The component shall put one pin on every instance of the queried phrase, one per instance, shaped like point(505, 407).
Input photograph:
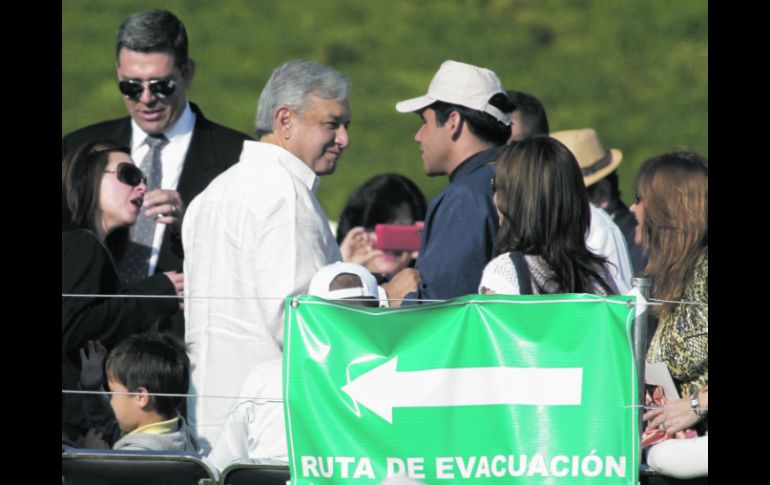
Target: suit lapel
point(122, 133)
point(201, 157)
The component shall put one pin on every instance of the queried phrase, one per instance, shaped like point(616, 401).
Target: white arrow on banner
point(383, 388)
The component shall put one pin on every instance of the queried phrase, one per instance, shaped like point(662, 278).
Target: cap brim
point(414, 104)
point(617, 156)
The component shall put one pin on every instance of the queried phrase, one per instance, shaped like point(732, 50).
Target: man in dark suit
point(154, 72)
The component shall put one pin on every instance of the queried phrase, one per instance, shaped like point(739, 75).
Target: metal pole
point(640, 340)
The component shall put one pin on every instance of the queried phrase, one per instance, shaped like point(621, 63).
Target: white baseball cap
point(462, 84)
point(319, 285)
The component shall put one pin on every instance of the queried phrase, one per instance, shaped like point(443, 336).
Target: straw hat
point(595, 162)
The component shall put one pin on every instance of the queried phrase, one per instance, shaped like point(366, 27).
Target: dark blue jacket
point(460, 231)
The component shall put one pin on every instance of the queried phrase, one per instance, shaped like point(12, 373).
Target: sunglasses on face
point(129, 174)
point(637, 198)
point(161, 88)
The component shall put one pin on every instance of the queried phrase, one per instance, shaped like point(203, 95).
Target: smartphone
point(397, 237)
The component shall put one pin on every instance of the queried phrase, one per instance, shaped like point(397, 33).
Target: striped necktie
point(135, 263)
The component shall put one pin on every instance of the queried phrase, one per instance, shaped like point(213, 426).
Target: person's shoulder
point(702, 265)
point(599, 213)
point(500, 260)
point(139, 442)
point(602, 221)
point(82, 245)
point(79, 237)
point(225, 132)
point(471, 192)
point(96, 131)
point(277, 166)
point(220, 131)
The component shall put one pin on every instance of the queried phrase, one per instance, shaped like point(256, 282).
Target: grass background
point(637, 72)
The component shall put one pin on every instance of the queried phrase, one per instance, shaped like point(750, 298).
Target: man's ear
point(454, 124)
point(188, 72)
point(282, 122)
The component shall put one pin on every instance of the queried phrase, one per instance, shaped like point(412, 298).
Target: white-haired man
point(257, 234)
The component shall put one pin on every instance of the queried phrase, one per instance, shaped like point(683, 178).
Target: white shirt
point(605, 239)
point(255, 429)
point(257, 231)
point(172, 160)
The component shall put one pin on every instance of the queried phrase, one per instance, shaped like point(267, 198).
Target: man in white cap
point(466, 117)
point(255, 427)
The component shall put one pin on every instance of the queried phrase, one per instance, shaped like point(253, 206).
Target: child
point(144, 364)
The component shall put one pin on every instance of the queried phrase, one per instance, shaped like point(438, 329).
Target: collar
point(474, 162)
point(283, 157)
point(183, 126)
point(161, 427)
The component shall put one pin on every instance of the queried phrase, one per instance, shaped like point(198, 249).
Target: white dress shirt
point(255, 429)
point(605, 239)
point(254, 236)
point(172, 160)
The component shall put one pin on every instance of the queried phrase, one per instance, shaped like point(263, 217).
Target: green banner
point(479, 389)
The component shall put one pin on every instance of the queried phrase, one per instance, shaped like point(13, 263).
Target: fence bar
point(640, 340)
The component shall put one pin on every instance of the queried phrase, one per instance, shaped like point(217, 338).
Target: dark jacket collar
point(474, 162)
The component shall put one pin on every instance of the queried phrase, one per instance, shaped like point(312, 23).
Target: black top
point(87, 268)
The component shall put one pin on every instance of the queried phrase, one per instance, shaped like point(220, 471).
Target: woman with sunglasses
point(102, 190)
point(671, 206)
point(544, 214)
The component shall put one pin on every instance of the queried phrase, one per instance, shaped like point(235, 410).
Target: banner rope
point(651, 301)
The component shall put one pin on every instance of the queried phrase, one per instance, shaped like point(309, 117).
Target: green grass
point(637, 72)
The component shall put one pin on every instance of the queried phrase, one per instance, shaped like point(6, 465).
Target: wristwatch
point(695, 404)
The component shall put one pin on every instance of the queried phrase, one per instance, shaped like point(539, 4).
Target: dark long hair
point(377, 202)
point(81, 174)
point(544, 205)
point(673, 189)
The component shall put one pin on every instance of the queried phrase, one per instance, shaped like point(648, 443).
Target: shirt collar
point(474, 162)
point(286, 159)
point(161, 427)
point(183, 126)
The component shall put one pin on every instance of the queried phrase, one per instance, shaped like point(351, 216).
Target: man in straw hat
point(466, 117)
point(597, 164)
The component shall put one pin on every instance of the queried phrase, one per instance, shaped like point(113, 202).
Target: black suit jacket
point(213, 149)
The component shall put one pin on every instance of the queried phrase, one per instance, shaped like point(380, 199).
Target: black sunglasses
point(129, 174)
point(637, 198)
point(492, 185)
point(159, 87)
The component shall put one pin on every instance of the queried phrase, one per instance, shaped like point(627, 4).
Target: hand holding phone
point(397, 237)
